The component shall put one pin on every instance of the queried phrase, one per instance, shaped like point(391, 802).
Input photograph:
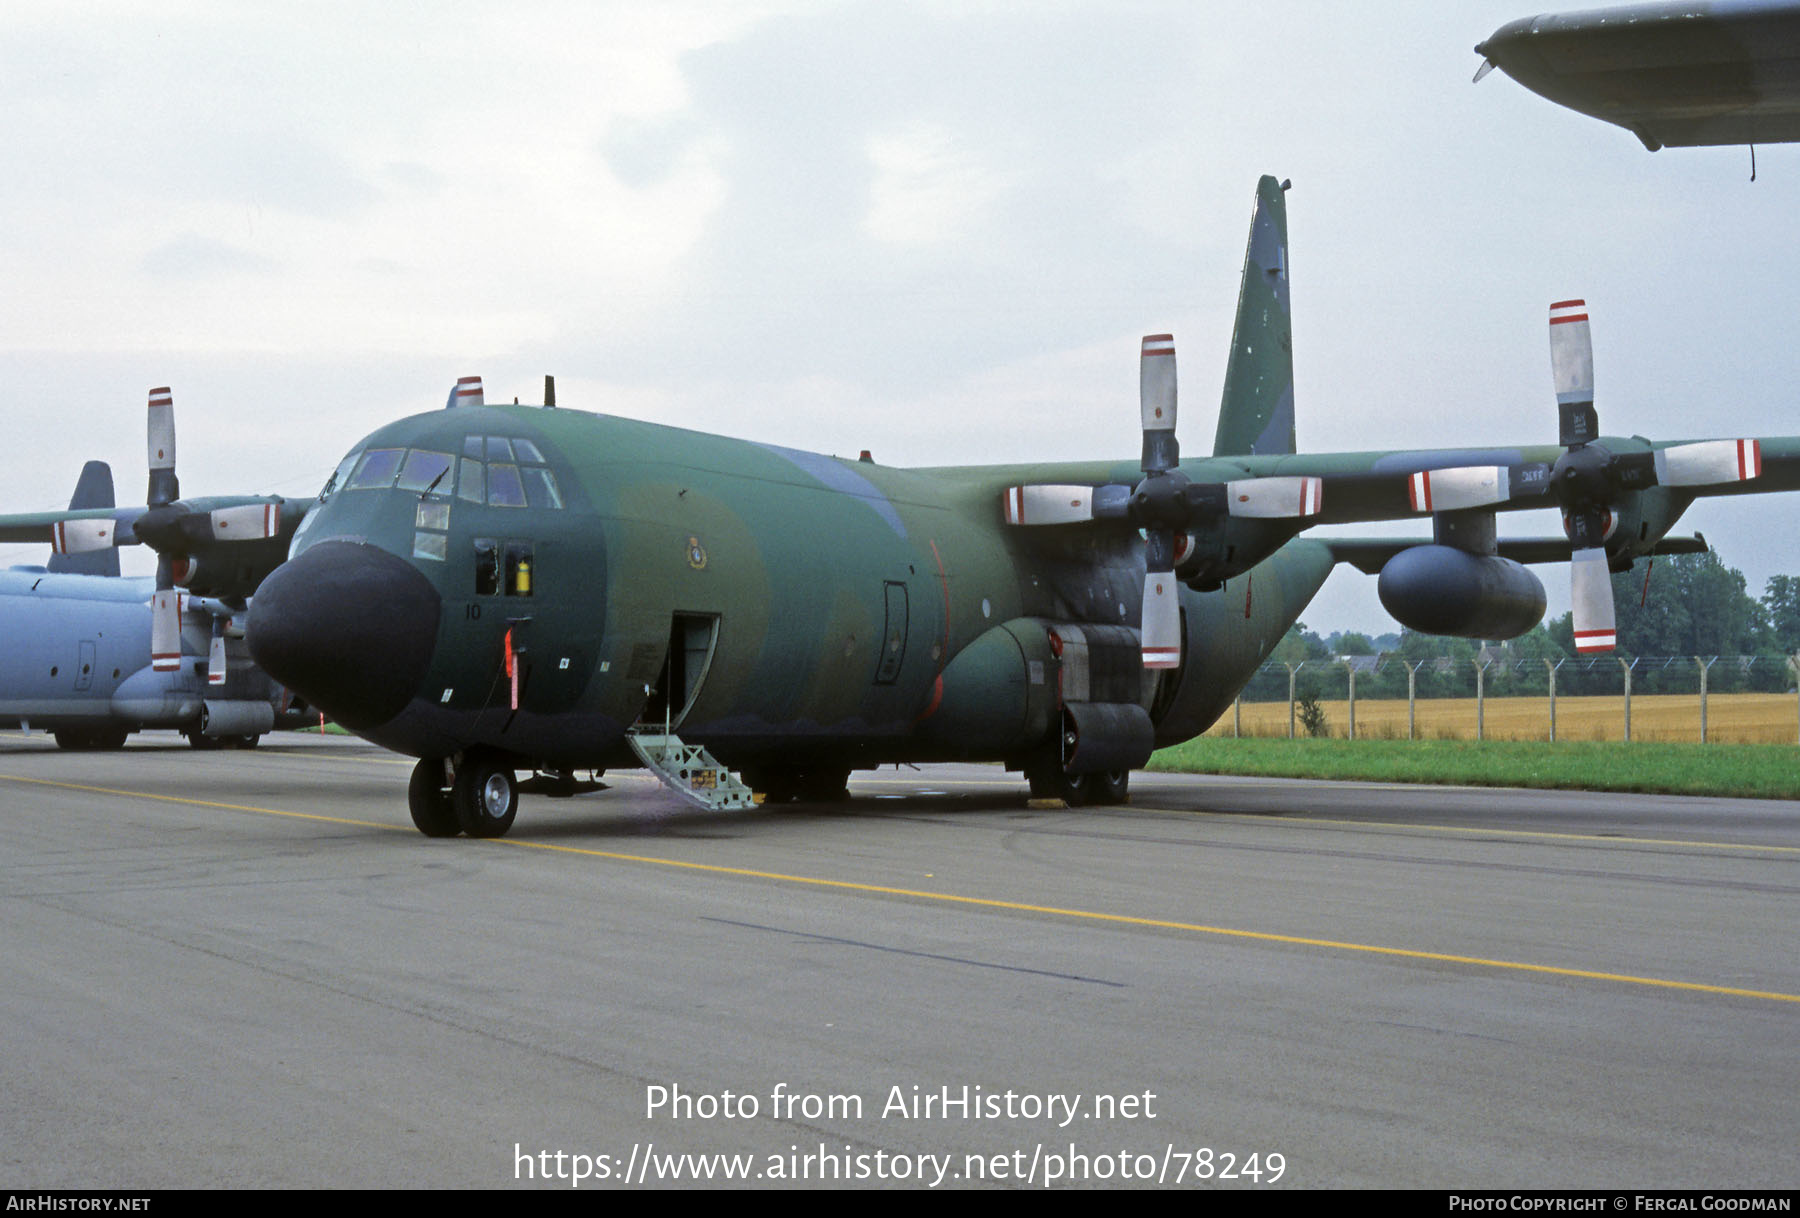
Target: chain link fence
point(1707, 698)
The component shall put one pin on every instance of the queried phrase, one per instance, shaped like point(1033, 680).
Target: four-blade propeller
point(1165, 503)
point(177, 531)
point(1589, 481)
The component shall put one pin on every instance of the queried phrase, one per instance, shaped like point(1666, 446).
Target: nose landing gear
point(478, 797)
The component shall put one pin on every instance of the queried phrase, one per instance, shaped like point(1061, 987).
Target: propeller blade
point(1450, 490)
point(1590, 588)
point(1709, 462)
point(165, 630)
point(1162, 621)
point(215, 656)
point(1049, 504)
point(252, 521)
point(160, 431)
point(1156, 403)
point(1572, 365)
point(82, 536)
point(1274, 498)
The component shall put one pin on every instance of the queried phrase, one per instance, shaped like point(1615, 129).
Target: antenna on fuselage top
point(549, 390)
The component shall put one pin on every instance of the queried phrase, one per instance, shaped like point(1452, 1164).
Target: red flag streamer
point(512, 668)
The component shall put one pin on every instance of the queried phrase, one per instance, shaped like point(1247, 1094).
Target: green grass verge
point(1757, 771)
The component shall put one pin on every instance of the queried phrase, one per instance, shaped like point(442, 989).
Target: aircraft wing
point(92, 528)
point(1672, 74)
point(1370, 554)
point(1371, 486)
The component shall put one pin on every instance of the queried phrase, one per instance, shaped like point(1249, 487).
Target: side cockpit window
point(487, 567)
point(337, 476)
point(503, 567)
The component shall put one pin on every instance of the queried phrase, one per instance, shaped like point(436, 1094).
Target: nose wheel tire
point(485, 796)
point(428, 798)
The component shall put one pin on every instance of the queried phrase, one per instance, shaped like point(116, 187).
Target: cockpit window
point(470, 484)
point(504, 487)
point(377, 469)
point(472, 447)
point(498, 449)
point(424, 469)
point(337, 477)
point(540, 487)
point(528, 451)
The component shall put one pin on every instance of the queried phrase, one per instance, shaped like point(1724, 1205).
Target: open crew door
point(692, 637)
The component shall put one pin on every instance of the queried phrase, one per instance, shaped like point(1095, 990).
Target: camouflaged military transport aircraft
point(496, 589)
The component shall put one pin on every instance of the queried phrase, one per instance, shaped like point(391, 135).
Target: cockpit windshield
point(499, 471)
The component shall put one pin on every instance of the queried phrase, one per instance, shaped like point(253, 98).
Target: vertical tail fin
point(1256, 415)
point(94, 489)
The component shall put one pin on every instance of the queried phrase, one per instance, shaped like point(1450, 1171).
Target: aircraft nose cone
point(347, 626)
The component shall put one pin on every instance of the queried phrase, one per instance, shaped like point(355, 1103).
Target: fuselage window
point(540, 486)
point(504, 487)
point(432, 514)
point(470, 484)
point(377, 469)
point(518, 568)
point(487, 567)
point(424, 469)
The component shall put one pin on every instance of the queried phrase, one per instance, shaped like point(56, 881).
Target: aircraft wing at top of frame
point(1673, 74)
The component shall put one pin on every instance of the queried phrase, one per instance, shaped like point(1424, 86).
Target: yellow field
point(1730, 718)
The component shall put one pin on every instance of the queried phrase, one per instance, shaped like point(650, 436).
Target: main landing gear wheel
point(1050, 781)
point(485, 796)
point(428, 798)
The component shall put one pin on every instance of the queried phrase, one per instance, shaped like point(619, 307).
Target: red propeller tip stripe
point(1418, 491)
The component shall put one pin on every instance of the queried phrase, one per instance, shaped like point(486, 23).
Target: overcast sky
point(935, 231)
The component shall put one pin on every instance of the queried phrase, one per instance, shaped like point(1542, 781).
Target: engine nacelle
point(1443, 590)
